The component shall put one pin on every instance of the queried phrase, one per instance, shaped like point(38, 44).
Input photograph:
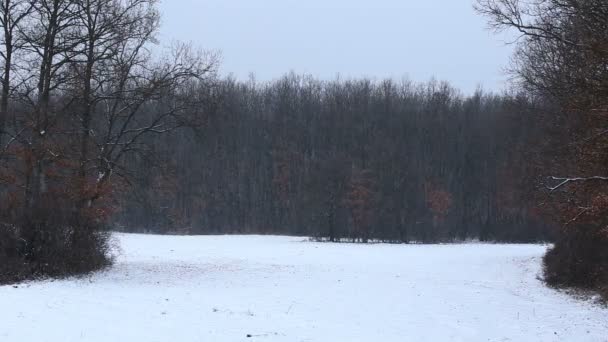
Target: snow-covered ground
point(224, 288)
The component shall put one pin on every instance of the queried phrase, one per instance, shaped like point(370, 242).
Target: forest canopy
point(354, 159)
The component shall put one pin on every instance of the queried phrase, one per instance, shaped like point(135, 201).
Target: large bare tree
point(562, 58)
point(12, 13)
point(92, 83)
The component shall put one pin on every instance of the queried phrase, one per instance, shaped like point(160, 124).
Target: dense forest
point(345, 159)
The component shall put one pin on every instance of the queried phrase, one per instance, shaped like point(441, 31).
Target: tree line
point(354, 160)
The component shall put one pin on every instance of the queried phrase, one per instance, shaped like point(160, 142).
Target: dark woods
point(352, 160)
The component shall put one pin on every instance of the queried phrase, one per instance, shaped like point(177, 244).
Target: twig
point(566, 180)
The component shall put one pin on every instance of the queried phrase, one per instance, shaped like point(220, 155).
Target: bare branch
point(566, 180)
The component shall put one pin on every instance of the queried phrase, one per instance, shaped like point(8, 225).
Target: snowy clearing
point(224, 288)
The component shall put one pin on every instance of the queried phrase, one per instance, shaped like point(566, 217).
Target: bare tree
point(12, 13)
point(51, 38)
point(93, 86)
point(562, 57)
point(147, 100)
point(563, 47)
point(107, 26)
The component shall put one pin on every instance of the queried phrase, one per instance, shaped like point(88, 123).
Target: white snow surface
point(223, 288)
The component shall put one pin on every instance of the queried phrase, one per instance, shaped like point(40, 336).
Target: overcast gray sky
point(418, 39)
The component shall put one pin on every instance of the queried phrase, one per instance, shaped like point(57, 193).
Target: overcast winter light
point(379, 38)
point(303, 170)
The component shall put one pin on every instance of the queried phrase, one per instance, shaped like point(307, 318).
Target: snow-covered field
point(224, 288)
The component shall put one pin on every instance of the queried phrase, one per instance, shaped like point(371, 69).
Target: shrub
point(579, 259)
point(51, 247)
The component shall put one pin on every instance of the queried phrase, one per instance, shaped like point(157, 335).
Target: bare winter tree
point(12, 13)
point(51, 38)
point(563, 47)
point(106, 26)
point(124, 89)
point(562, 57)
point(92, 87)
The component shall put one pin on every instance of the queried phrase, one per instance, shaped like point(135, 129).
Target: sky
point(414, 39)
